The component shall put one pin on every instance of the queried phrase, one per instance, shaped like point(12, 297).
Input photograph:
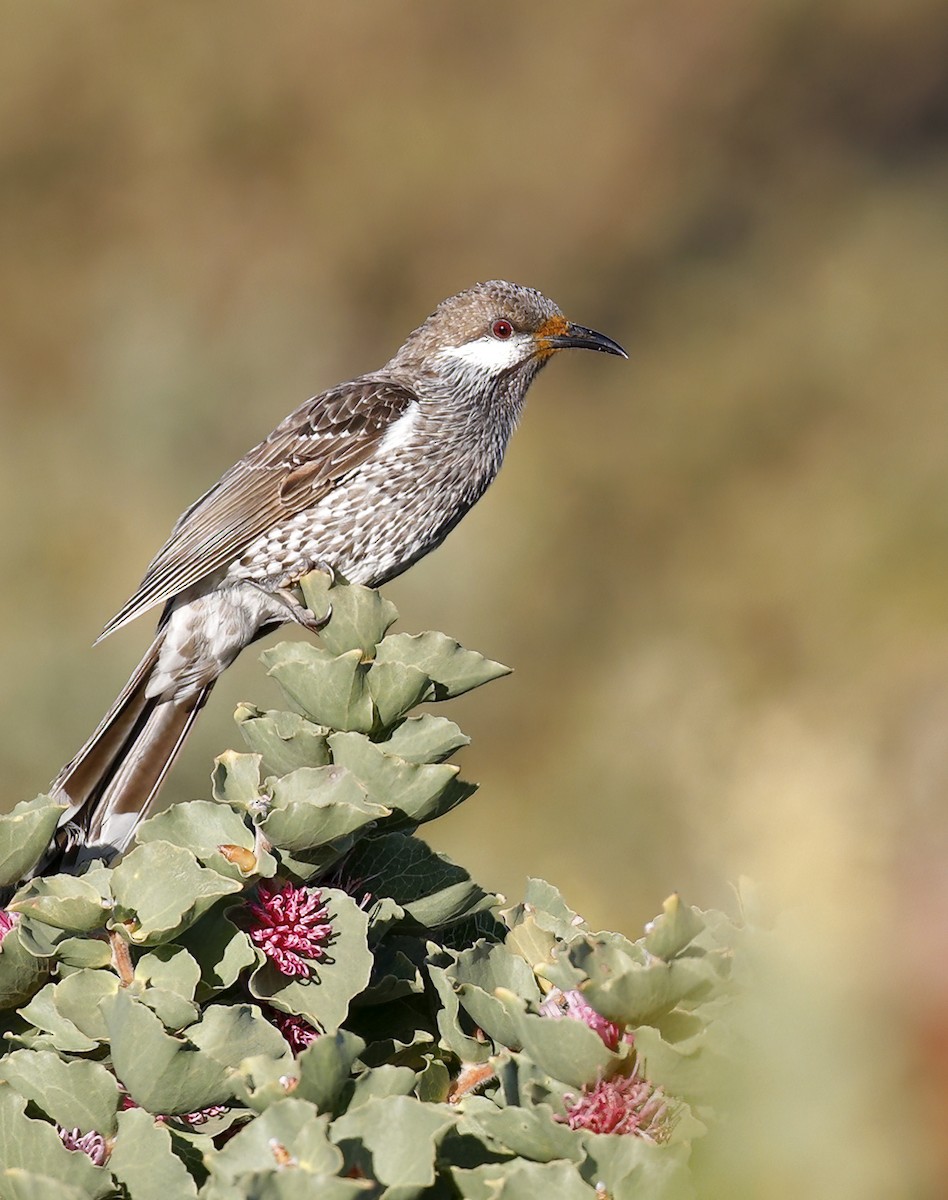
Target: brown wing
point(302, 460)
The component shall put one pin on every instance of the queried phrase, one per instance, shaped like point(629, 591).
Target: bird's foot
point(300, 613)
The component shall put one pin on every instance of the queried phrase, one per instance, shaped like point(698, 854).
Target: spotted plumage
point(365, 478)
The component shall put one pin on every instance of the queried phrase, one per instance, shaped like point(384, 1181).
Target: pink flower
point(298, 1033)
point(571, 1004)
point(92, 1143)
point(7, 921)
point(192, 1118)
point(623, 1104)
point(201, 1115)
point(290, 925)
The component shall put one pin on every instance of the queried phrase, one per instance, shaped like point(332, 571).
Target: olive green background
point(720, 570)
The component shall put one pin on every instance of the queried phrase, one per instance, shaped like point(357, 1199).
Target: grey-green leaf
point(292, 1125)
point(159, 889)
point(396, 1137)
point(64, 902)
point(519, 1180)
point(396, 689)
point(316, 805)
point(203, 827)
point(21, 973)
point(432, 890)
point(419, 791)
point(143, 1160)
point(452, 669)
point(359, 618)
point(25, 832)
point(79, 1095)
point(284, 739)
point(35, 1147)
point(163, 1074)
point(325, 1066)
point(236, 779)
point(329, 690)
point(425, 739)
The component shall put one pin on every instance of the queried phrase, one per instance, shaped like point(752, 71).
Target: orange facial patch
point(553, 327)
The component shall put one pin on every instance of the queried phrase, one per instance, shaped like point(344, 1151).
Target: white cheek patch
point(490, 354)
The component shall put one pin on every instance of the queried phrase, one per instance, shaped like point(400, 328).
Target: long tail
point(111, 784)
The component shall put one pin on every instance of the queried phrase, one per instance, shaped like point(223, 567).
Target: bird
point(363, 479)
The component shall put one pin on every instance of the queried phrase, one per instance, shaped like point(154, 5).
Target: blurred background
point(720, 570)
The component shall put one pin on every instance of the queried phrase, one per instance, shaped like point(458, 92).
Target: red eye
point(502, 329)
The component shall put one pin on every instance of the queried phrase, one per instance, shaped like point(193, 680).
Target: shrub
point(282, 991)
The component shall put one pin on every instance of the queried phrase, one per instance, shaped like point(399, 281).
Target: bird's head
point(493, 333)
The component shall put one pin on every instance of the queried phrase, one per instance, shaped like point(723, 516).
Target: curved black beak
point(581, 338)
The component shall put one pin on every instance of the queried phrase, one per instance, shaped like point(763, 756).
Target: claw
point(300, 613)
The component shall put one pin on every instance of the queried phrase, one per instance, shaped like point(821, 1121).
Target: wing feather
point(302, 460)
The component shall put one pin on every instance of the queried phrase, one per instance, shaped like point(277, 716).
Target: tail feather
point(112, 782)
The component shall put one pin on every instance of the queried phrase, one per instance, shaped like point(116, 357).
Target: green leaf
point(261, 1081)
point(564, 1048)
point(467, 1048)
point(530, 1133)
point(65, 902)
point(433, 1084)
point(425, 739)
point(232, 1033)
point(394, 1139)
point(325, 1067)
point(486, 977)
point(236, 780)
point(21, 973)
point(18, 1184)
point(677, 927)
point(396, 972)
point(84, 952)
point(159, 889)
point(420, 791)
point(77, 998)
point(34, 1146)
point(330, 690)
point(537, 946)
point(285, 740)
point(163, 1074)
point(171, 968)
point(543, 905)
point(324, 998)
point(220, 949)
point(386, 1080)
point(64, 1034)
point(431, 890)
point(203, 827)
point(40, 939)
point(621, 986)
point(168, 977)
point(79, 1095)
point(396, 689)
point(281, 1183)
point(25, 833)
point(692, 1070)
point(290, 1128)
point(451, 669)
point(316, 805)
point(360, 616)
point(519, 1180)
point(632, 1167)
point(143, 1160)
